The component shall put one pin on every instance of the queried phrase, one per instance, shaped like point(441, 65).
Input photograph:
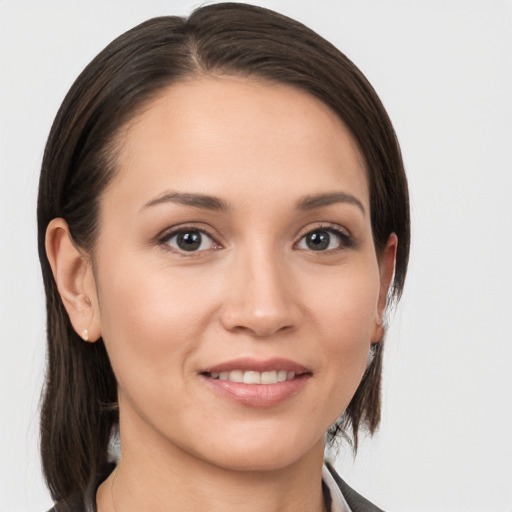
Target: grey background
point(444, 71)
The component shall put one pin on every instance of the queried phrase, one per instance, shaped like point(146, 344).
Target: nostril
point(262, 329)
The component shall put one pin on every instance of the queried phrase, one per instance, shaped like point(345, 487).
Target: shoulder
point(355, 501)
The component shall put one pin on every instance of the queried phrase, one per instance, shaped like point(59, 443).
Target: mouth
point(257, 383)
point(253, 376)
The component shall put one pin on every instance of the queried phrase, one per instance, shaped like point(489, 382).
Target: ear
point(74, 277)
point(386, 269)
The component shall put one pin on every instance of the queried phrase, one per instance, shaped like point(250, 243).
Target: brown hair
point(77, 416)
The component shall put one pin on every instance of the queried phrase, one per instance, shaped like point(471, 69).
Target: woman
point(223, 215)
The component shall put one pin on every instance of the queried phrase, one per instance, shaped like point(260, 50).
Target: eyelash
point(346, 240)
point(164, 240)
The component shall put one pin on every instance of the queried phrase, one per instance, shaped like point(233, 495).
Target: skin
point(254, 289)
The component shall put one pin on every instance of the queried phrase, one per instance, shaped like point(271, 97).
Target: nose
point(262, 301)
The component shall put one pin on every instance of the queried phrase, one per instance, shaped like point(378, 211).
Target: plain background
point(443, 69)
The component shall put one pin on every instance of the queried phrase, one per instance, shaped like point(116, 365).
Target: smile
point(257, 383)
point(253, 377)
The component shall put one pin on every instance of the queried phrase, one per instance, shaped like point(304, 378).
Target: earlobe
point(73, 276)
point(386, 270)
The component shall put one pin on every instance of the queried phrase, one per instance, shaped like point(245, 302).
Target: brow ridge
point(312, 201)
point(189, 199)
point(308, 202)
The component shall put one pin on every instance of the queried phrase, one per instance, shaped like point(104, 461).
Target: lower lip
point(258, 395)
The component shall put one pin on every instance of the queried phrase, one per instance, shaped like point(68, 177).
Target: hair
point(78, 416)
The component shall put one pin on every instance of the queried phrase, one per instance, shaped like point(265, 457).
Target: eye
point(324, 239)
point(189, 240)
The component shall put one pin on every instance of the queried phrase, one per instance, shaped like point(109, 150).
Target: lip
point(258, 365)
point(257, 395)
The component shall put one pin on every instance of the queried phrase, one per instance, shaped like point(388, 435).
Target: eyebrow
point(313, 201)
point(197, 200)
point(309, 202)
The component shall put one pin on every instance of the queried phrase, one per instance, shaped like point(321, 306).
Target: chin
point(263, 453)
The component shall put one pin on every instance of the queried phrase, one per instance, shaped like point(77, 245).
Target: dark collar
point(355, 501)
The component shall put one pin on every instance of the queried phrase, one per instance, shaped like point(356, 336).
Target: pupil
point(318, 241)
point(189, 241)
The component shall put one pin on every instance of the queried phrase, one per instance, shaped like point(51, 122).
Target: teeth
point(281, 375)
point(252, 377)
point(269, 377)
point(236, 376)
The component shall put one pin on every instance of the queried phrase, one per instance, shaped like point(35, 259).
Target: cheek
point(345, 322)
point(148, 322)
point(345, 303)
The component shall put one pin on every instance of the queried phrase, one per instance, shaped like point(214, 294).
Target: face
point(237, 285)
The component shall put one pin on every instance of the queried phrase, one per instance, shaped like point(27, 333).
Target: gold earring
point(85, 335)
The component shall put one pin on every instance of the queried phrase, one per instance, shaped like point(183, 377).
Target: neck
point(160, 479)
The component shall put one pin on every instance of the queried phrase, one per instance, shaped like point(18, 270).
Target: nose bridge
point(261, 300)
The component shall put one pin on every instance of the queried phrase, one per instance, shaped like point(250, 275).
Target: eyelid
point(340, 231)
point(164, 237)
point(324, 225)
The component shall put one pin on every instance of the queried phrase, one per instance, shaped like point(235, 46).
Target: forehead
point(229, 135)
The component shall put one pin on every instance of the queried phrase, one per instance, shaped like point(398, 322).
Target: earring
point(85, 335)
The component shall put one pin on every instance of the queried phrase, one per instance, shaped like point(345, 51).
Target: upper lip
point(258, 365)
